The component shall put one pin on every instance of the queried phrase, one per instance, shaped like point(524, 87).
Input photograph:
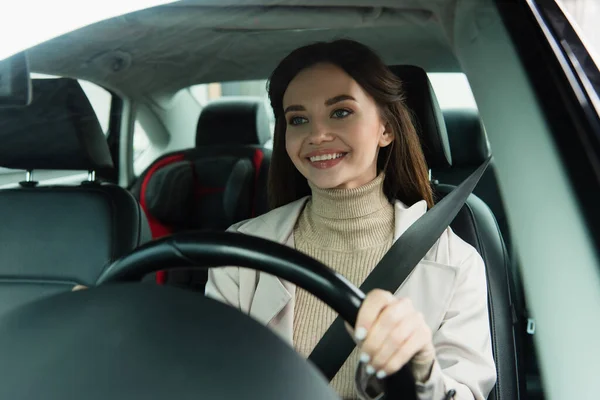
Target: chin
point(326, 182)
point(329, 182)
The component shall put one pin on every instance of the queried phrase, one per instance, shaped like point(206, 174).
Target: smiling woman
point(313, 118)
point(318, 93)
point(347, 177)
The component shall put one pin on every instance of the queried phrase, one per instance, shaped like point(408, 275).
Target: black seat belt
point(336, 345)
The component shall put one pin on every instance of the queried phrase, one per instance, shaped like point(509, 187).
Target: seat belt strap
point(336, 345)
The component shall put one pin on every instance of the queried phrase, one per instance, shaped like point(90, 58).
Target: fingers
point(397, 338)
point(78, 287)
point(411, 346)
point(373, 304)
point(394, 332)
point(389, 322)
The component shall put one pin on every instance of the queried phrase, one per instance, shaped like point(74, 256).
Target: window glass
point(452, 90)
point(573, 25)
point(141, 143)
point(584, 16)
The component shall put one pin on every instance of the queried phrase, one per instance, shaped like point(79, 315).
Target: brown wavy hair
point(406, 173)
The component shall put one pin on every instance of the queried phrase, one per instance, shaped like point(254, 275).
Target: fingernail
point(360, 333)
point(381, 374)
point(365, 358)
point(370, 370)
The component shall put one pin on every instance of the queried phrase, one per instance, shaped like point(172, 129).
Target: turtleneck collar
point(347, 219)
point(349, 203)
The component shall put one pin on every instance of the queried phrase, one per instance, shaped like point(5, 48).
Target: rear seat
point(212, 186)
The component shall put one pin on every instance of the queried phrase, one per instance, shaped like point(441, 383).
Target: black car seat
point(469, 147)
point(219, 182)
point(54, 237)
point(475, 224)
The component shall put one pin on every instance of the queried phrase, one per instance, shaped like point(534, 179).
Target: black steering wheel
point(131, 340)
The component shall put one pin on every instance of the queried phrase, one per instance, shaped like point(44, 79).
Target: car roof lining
point(145, 51)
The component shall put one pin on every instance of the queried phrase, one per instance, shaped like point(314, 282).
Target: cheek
point(366, 136)
point(292, 146)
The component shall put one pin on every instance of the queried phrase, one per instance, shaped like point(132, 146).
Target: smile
point(326, 157)
point(325, 161)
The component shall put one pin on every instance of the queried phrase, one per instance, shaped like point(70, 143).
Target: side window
point(583, 16)
point(141, 143)
point(141, 149)
point(100, 100)
point(574, 27)
point(452, 90)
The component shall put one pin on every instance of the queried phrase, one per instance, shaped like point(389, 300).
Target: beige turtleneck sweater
point(349, 230)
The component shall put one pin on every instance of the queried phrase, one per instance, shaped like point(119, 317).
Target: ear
point(387, 136)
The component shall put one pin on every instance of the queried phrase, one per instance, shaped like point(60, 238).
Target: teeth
point(325, 157)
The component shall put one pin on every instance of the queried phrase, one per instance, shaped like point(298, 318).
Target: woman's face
point(334, 130)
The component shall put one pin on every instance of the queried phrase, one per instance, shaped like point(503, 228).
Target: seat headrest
point(58, 130)
point(468, 141)
point(421, 100)
point(209, 193)
point(234, 120)
point(169, 195)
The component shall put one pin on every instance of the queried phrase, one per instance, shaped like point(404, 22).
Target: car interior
point(89, 178)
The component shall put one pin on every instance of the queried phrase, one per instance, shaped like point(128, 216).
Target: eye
point(297, 121)
point(341, 113)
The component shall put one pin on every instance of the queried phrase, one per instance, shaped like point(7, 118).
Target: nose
point(319, 134)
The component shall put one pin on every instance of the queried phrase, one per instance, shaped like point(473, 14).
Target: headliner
point(170, 47)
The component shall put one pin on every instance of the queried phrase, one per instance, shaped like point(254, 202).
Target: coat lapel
point(404, 217)
point(430, 283)
point(272, 294)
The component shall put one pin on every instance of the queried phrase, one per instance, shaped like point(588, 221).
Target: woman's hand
point(391, 333)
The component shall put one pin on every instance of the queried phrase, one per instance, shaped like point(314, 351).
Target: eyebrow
point(329, 102)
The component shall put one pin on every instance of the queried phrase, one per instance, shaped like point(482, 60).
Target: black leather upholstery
point(475, 223)
point(235, 121)
point(59, 130)
point(421, 100)
point(470, 148)
point(468, 142)
point(53, 237)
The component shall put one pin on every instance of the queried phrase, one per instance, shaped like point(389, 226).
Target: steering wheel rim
point(215, 250)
